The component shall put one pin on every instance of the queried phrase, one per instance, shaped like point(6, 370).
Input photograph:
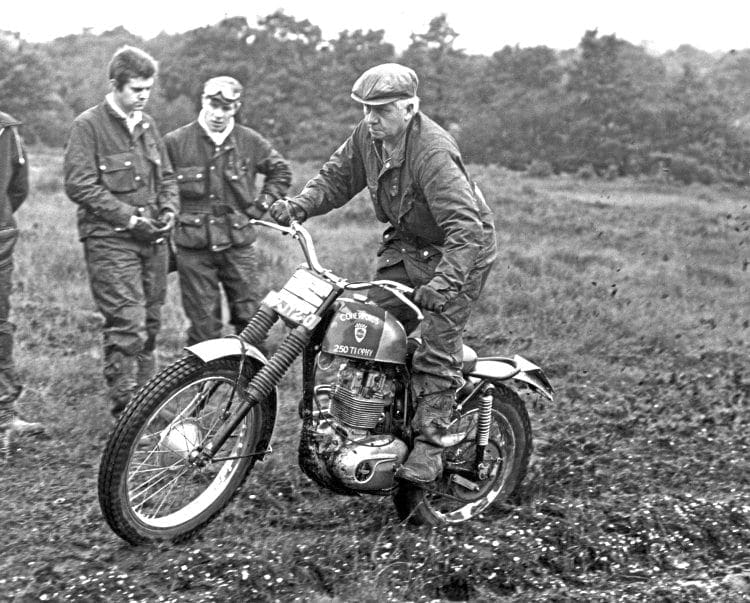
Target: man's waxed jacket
point(208, 176)
point(112, 174)
point(217, 185)
point(14, 174)
point(437, 215)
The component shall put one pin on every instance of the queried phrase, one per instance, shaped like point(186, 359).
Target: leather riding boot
point(425, 463)
point(431, 422)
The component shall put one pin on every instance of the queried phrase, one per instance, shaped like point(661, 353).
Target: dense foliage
point(606, 108)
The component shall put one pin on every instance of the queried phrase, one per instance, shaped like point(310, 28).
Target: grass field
point(633, 295)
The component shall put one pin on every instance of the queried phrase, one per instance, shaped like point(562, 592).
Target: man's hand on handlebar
point(284, 211)
point(428, 299)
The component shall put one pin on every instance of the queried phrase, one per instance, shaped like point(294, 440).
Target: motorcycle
point(188, 439)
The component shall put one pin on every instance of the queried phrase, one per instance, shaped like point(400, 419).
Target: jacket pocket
point(241, 231)
point(420, 263)
point(219, 238)
point(190, 231)
point(118, 172)
point(192, 182)
point(388, 256)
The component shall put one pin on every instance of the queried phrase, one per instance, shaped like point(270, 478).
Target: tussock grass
point(633, 295)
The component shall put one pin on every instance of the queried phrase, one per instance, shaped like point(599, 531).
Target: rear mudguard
point(224, 347)
point(498, 368)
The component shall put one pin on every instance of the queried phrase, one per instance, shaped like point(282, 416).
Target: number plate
point(300, 298)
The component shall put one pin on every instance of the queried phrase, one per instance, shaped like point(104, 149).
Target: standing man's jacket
point(440, 224)
point(112, 176)
point(13, 177)
point(217, 184)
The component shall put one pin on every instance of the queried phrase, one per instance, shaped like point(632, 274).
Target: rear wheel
point(454, 498)
point(148, 490)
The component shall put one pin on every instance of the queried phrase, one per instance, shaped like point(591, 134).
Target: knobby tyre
point(148, 491)
point(449, 501)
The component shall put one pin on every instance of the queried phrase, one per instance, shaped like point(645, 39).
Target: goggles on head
point(224, 89)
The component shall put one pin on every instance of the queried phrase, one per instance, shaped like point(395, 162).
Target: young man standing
point(14, 187)
point(118, 173)
point(216, 161)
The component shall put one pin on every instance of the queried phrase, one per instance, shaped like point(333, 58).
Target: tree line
point(606, 107)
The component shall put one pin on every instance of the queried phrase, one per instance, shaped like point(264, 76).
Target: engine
point(360, 396)
point(356, 401)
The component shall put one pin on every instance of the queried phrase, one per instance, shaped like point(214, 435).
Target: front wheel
point(455, 498)
point(148, 489)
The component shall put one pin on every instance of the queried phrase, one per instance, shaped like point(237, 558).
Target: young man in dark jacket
point(118, 173)
point(440, 238)
point(14, 187)
point(216, 160)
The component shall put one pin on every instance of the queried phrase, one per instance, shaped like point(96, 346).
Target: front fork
point(262, 383)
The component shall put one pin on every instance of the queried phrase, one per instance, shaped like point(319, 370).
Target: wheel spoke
point(149, 487)
point(143, 487)
point(164, 498)
point(163, 488)
point(156, 492)
point(455, 498)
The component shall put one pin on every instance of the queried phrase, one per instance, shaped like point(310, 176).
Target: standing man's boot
point(22, 427)
point(122, 378)
point(11, 425)
point(146, 367)
point(6, 419)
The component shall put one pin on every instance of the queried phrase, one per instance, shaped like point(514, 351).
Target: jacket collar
point(200, 132)
point(131, 121)
point(398, 155)
point(218, 138)
point(118, 116)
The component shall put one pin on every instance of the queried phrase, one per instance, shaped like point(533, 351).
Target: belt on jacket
point(201, 207)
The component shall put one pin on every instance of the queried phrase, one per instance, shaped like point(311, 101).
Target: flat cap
point(224, 88)
point(384, 84)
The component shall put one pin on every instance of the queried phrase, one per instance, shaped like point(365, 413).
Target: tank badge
point(360, 331)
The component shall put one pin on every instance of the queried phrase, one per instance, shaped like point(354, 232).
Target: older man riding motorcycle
point(440, 237)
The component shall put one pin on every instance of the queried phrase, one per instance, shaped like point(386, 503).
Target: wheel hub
point(178, 441)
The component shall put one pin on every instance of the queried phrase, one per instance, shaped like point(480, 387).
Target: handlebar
point(399, 290)
point(302, 236)
point(300, 233)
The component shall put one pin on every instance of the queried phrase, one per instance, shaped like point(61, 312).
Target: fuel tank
point(366, 332)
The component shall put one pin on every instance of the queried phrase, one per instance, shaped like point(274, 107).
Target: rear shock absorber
point(483, 432)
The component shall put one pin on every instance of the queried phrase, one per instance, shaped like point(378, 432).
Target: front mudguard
point(225, 347)
point(498, 368)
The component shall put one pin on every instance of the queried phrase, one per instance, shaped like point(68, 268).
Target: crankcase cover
point(369, 464)
point(366, 332)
